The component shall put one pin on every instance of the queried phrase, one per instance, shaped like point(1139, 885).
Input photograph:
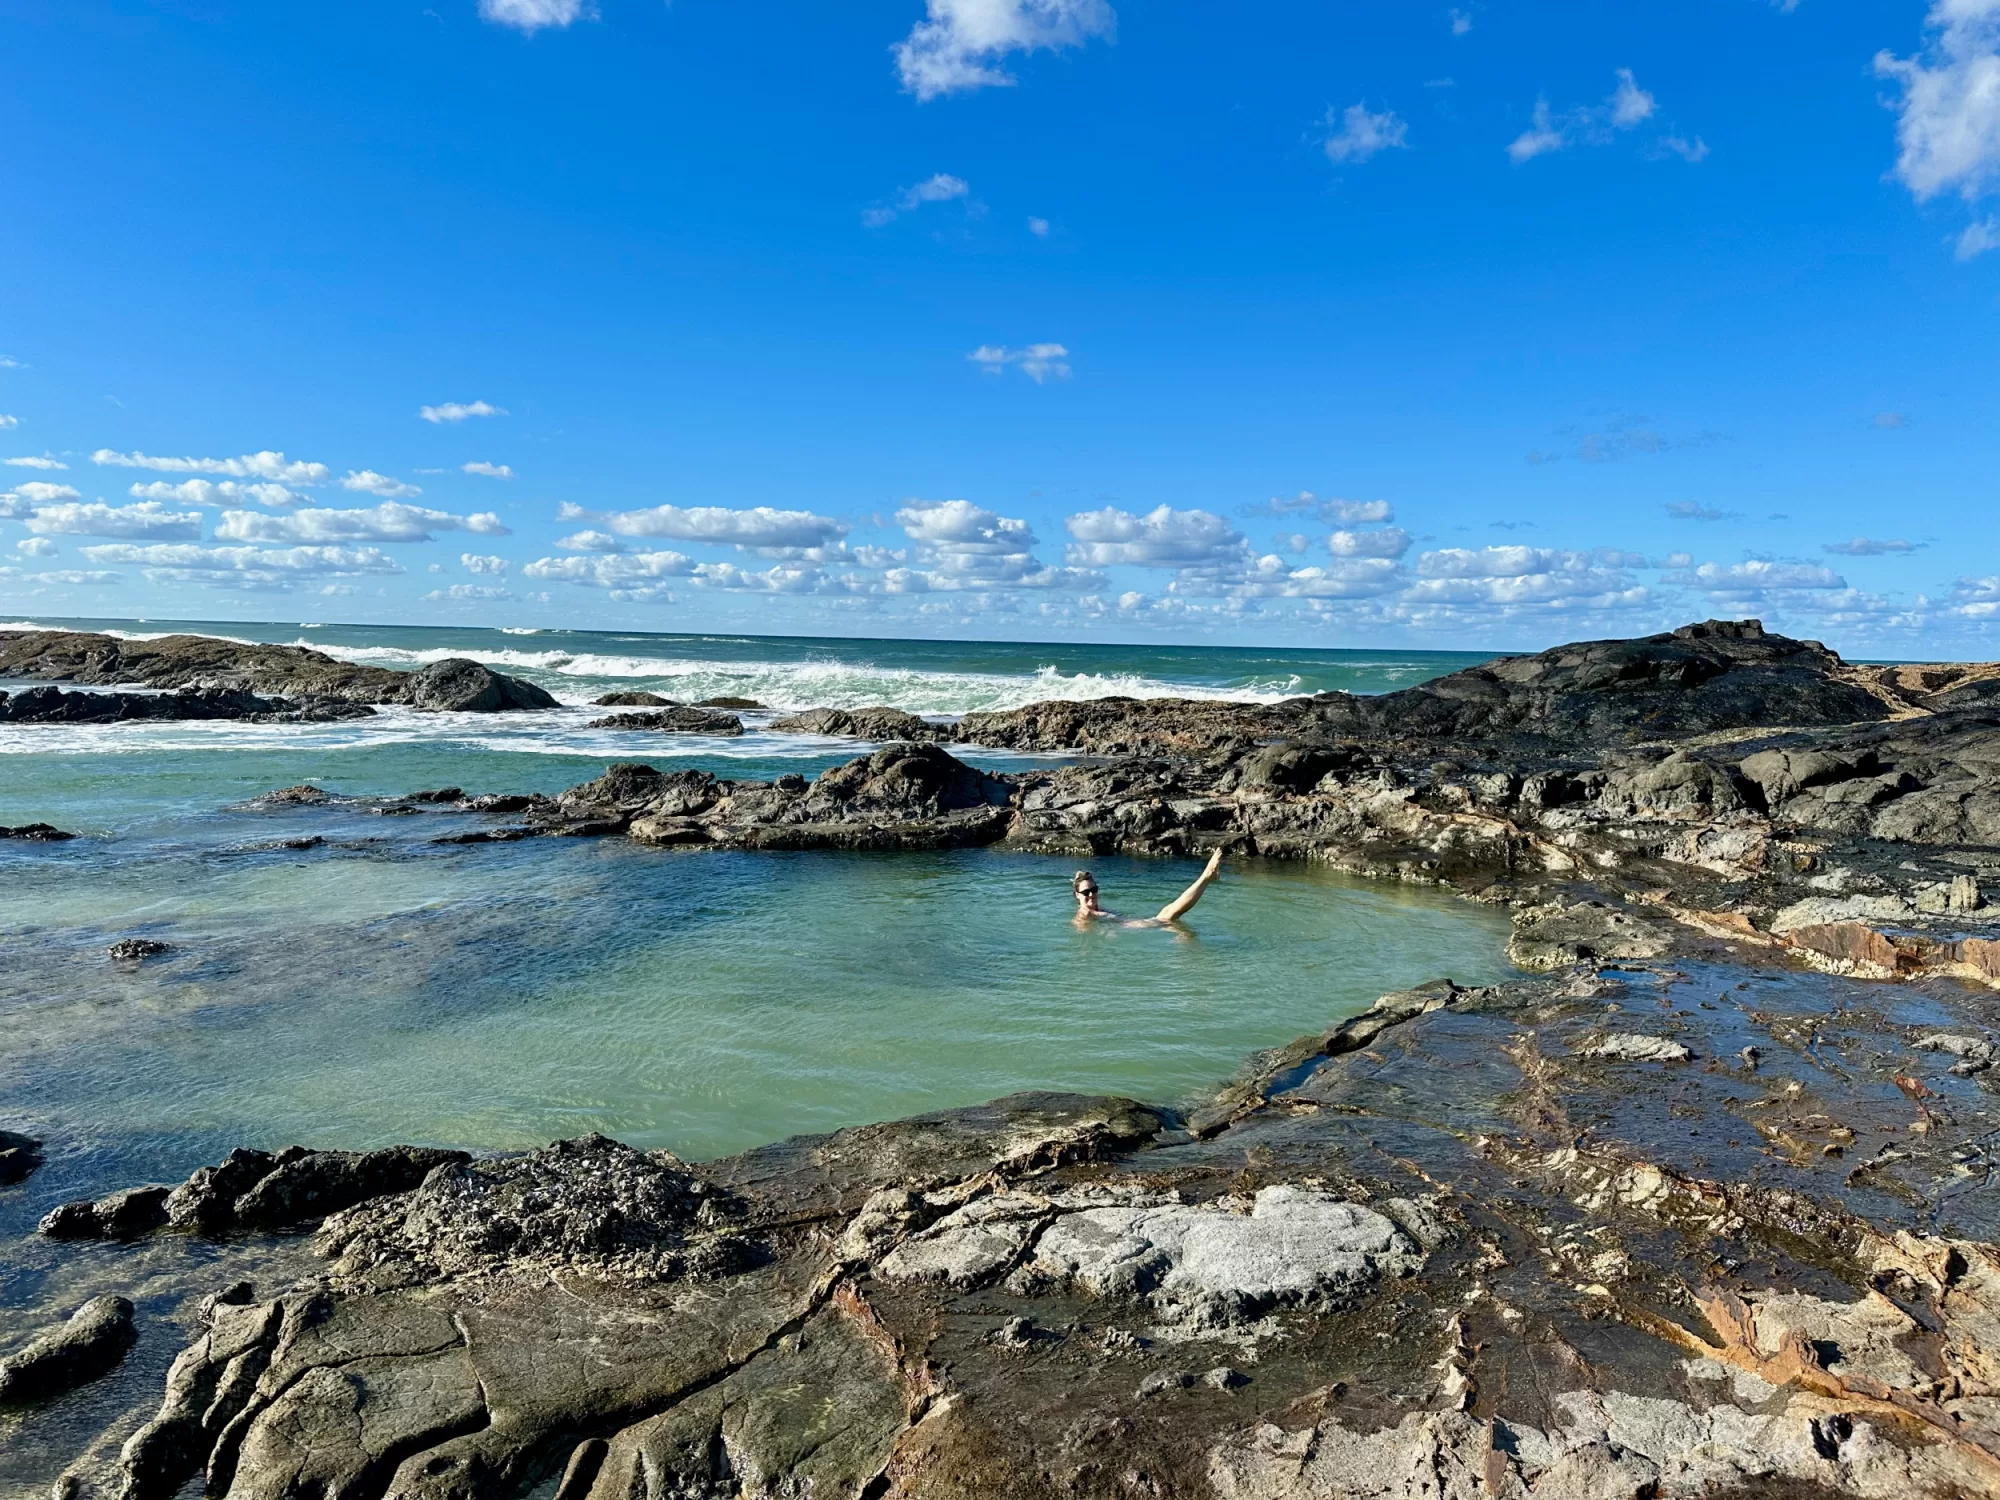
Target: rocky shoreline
point(1704, 1205)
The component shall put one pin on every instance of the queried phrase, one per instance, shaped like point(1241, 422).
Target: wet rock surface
point(204, 674)
point(94, 1339)
point(1703, 1205)
point(51, 705)
point(36, 833)
point(19, 1156)
point(884, 724)
point(675, 721)
point(458, 685)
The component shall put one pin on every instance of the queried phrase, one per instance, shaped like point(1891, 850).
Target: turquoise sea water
point(380, 987)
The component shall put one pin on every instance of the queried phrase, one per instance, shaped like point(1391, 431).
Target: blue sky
point(1336, 324)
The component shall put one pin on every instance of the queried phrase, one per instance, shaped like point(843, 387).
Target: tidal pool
point(381, 988)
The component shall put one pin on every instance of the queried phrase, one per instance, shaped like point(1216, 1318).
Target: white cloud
point(245, 567)
point(1162, 538)
point(759, 526)
point(146, 519)
point(1038, 227)
point(217, 495)
point(1863, 546)
point(468, 592)
point(8, 424)
point(8, 362)
point(1628, 107)
point(458, 411)
point(783, 578)
point(940, 188)
point(1461, 22)
point(368, 482)
point(1948, 133)
point(34, 463)
point(590, 541)
point(1391, 542)
point(1332, 511)
point(1687, 150)
point(41, 492)
point(960, 545)
point(1356, 134)
point(1037, 361)
point(265, 465)
point(390, 521)
point(630, 577)
point(492, 567)
point(36, 546)
point(1759, 574)
point(491, 471)
point(532, 15)
point(1977, 239)
point(960, 43)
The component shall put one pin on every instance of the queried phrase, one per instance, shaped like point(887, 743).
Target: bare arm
point(1174, 910)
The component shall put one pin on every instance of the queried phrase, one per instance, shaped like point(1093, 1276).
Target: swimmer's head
point(1083, 885)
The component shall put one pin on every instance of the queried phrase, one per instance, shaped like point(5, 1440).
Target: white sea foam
point(795, 685)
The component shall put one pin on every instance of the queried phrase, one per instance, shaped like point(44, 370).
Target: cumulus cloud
point(590, 541)
point(532, 15)
point(961, 545)
point(8, 423)
point(630, 577)
point(1162, 538)
point(391, 521)
point(250, 568)
point(458, 411)
point(939, 188)
point(36, 546)
point(462, 593)
point(145, 519)
point(1692, 510)
point(264, 465)
point(959, 44)
point(1038, 227)
point(492, 567)
point(34, 463)
point(1461, 22)
point(1863, 546)
point(1039, 362)
point(41, 492)
point(1757, 575)
point(759, 526)
point(368, 482)
point(1594, 125)
point(1948, 125)
point(1355, 134)
point(1391, 542)
point(490, 471)
point(215, 494)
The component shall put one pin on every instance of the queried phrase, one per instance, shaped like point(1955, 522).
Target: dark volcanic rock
point(193, 661)
point(1724, 674)
point(302, 795)
point(36, 833)
point(89, 1345)
point(634, 700)
point(459, 685)
point(20, 1155)
point(309, 1186)
point(1129, 726)
point(117, 1216)
point(133, 950)
point(675, 721)
point(729, 702)
point(885, 724)
point(51, 705)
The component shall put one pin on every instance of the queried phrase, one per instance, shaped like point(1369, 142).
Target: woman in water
point(1084, 888)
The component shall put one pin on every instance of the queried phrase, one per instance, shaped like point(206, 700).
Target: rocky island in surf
point(1645, 1222)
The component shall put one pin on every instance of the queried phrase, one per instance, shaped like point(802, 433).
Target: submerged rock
point(20, 1155)
point(884, 724)
point(460, 685)
point(675, 721)
point(36, 833)
point(90, 1344)
point(135, 950)
point(634, 700)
